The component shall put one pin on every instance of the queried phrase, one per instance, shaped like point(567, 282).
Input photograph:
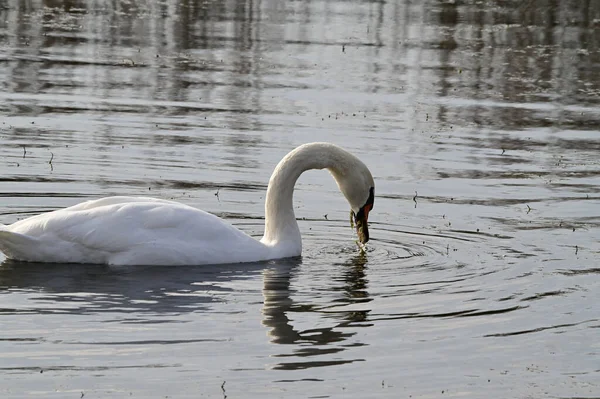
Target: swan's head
point(356, 183)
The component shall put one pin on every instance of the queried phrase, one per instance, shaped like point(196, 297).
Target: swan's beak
point(360, 221)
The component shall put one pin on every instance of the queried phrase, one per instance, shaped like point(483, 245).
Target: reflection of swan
point(149, 231)
point(136, 293)
point(315, 343)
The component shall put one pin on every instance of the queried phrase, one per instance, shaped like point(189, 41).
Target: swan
point(149, 231)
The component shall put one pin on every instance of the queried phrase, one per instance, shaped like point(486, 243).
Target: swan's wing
point(122, 230)
point(30, 224)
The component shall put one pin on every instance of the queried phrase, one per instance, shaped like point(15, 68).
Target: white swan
point(150, 231)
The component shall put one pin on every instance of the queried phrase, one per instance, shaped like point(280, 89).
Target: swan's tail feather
point(15, 245)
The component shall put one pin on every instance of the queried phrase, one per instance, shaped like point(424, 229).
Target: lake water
point(479, 120)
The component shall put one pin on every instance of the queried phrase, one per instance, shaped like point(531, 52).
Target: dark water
point(479, 120)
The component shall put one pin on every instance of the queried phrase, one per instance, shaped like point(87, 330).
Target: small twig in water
point(576, 249)
point(528, 208)
point(223, 389)
point(415, 198)
point(24, 151)
point(50, 161)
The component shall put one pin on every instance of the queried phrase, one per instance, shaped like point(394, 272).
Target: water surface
point(479, 121)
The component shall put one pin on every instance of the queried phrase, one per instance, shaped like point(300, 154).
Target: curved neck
point(281, 229)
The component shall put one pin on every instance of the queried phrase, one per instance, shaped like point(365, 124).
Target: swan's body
point(129, 230)
point(150, 231)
